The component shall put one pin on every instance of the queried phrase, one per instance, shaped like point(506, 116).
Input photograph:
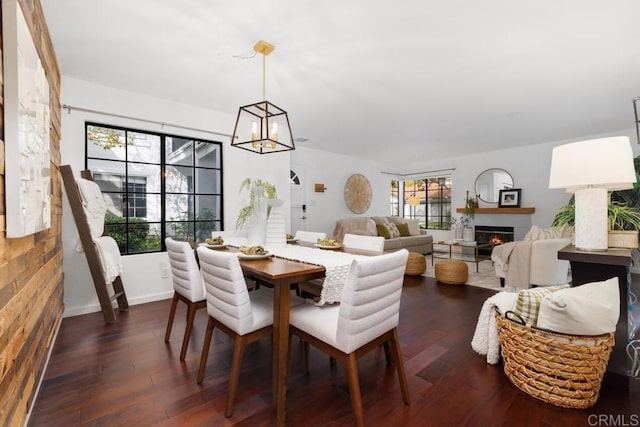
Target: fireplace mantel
point(499, 210)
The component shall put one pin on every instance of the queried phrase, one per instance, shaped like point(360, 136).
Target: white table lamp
point(590, 169)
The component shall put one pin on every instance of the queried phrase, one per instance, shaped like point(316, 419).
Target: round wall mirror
point(490, 182)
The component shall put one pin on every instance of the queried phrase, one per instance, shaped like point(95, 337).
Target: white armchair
point(538, 264)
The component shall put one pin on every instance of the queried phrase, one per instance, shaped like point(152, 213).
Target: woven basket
point(451, 272)
point(416, 264)
point(564, 370)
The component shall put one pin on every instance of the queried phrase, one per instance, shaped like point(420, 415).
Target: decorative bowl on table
point(328, 243)
point(215, 243)
point(253, 252)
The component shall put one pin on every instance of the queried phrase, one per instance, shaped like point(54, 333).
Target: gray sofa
point(418, 240)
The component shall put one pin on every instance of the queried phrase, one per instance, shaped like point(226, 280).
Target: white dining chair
point(187, 287)
point(245, 316)
point(310, 236)
point(368, 243)
point(366, 318)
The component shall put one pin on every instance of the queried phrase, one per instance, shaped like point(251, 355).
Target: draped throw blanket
point(106, 247)
point(336, 264)
point(513, 258)
point(485, 338)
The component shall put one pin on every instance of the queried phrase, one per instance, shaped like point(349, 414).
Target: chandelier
point(263, 127)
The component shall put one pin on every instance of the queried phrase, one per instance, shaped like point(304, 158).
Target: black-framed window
point(426, 199)
point(156, 185)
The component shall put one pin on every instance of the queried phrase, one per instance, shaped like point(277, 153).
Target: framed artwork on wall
point(509, 198)
point(26, 128)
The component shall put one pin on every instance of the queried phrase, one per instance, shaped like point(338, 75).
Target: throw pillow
point(528, 302)
point(589, 309)
point(393, 229)
point(383, 231)
point(380, 220)
point(403, 229)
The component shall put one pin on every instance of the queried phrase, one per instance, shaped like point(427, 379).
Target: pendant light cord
point(264, 77)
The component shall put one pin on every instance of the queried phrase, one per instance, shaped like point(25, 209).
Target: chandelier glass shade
point(263, 127)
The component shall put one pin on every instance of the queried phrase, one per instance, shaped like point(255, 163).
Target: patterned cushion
point(393, 229)
point(528, 302)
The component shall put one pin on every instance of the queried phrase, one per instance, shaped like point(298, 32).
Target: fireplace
point(492, 234)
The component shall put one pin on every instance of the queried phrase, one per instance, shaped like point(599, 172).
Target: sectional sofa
point(414, 239)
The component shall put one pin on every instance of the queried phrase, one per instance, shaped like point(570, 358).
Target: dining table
point(283, 274)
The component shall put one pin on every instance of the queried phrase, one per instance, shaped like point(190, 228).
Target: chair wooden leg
point(235, 374)
point(306, 349)
point(354, 389)
point(191, 314)
point(387, 355)
point(205, 349)
point(172, 313)
point(397, 355)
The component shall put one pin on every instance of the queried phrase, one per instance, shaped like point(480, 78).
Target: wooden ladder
point(80, 217)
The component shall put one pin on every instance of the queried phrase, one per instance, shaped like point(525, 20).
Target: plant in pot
point(624, 223)
point(623, 213)
point(257, 210)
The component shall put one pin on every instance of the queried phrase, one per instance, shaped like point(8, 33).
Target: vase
point(467, 234)
point(458, 233)
point(276, 225)
point(257, 227)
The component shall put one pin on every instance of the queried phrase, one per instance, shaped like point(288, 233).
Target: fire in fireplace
point(492, 234)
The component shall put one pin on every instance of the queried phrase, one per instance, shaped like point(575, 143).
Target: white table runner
point(336, 264)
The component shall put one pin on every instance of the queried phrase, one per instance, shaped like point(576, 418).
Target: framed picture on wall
point(509, 198)
point(26, 128)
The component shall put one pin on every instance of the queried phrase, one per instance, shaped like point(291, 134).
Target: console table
point(589, 267)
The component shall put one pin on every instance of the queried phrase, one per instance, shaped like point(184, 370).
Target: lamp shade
point(596, 163)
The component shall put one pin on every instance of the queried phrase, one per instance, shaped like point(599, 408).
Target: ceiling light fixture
point(263, 127)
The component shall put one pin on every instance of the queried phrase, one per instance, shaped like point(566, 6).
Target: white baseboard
point(93, 308)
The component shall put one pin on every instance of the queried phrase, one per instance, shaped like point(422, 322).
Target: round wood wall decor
point(357, 193)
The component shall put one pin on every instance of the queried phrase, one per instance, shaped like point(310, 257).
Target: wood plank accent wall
point(31, 277)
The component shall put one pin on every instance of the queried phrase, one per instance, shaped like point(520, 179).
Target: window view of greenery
point(155, 186)
point(426, 199)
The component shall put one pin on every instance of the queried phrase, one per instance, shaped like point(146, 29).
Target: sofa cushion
point(403, 229)
point(380, 220)
point(414, 224)
point(383, 231)
point(393, 229)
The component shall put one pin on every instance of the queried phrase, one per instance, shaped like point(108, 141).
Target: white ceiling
point(393, 81)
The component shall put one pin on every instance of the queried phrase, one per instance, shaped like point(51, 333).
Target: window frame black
point(163, 220)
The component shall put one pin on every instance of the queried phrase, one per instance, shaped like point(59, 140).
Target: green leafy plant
point(141, 238)
point(469, 210)
point(259, 192)
point(621, 216)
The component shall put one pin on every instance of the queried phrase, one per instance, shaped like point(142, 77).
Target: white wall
point(332, 170)
point(141, 275)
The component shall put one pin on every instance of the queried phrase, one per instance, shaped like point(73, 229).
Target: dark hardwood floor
point(125, 374)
